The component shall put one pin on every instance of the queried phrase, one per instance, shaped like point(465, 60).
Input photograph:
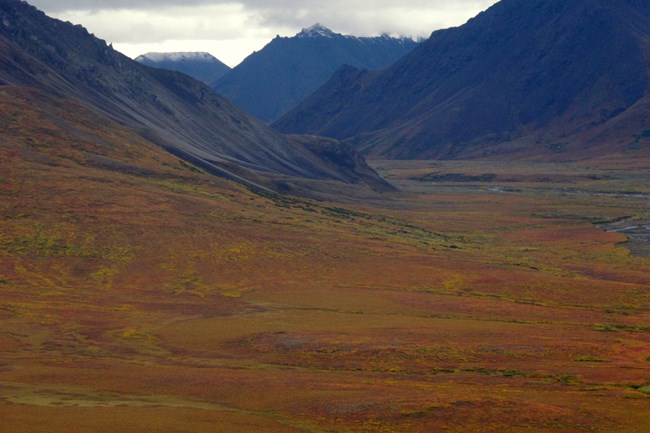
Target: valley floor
point(483, 297)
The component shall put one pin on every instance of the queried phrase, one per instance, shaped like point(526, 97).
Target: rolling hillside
point(140, 294)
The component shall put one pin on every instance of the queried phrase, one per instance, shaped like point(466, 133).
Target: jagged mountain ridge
point(200, 65)
point(275, 79)
point(168, 108)
point(543, 75)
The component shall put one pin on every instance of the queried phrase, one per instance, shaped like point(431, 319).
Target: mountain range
point(270, 82)
point(567, 78)
point(202, 66)
point(170, 109)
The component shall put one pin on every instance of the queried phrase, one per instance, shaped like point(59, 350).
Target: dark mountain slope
point(202, 66)
point(275, 79)
point(537, 72)
point(168, 108)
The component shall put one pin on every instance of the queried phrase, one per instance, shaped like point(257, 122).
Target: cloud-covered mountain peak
point(177, 57)
point(317, 30)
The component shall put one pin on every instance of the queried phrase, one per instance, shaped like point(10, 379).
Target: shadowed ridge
point(536, 73)
point(179, 113)
point(275, 79)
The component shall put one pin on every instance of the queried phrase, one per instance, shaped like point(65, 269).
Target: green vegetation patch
point(644, 389)
point(508, 373)
point(458, 177)
point(42, 245)
point(619, 327)
point(590, 358)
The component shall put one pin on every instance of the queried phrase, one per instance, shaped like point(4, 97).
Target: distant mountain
point(167, 108)
point(566, 77)
point(270, 82)
point(202, 66)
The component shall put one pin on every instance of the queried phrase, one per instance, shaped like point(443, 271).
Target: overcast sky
point(232, 29)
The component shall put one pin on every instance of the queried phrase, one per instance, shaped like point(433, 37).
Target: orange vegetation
point(139, 294)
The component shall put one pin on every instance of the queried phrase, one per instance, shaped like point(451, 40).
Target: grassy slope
point(137, 294)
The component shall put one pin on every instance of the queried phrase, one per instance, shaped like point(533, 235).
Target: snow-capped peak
point(177, 57)
point(317, 30)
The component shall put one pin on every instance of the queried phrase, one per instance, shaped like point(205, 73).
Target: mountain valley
point(170, 264)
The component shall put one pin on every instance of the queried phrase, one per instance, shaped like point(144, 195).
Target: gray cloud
point(364, 14)
point(138, 22)
point(94, 5)
point(177, 23)
point(57, 6)
point(369, 16)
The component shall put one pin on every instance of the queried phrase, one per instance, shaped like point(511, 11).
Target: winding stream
point(637, 231)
